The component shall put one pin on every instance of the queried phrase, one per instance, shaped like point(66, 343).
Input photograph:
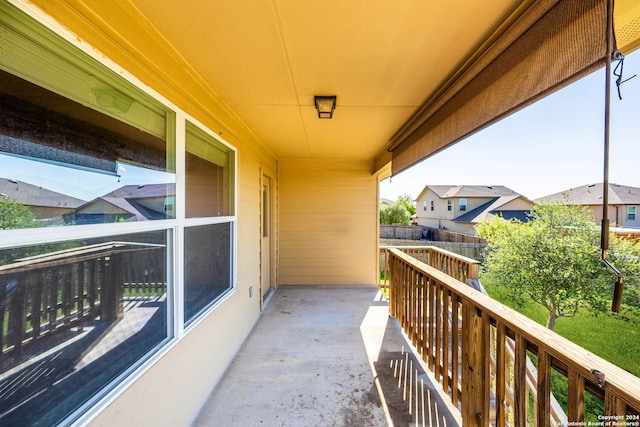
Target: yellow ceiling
point(264, 60)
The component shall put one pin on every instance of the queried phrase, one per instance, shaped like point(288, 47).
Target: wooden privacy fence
point(56, 291)
point(478, 349)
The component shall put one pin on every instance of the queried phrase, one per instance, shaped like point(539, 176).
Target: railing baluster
point(67, 295)
point(53, 300)
point(520, 382)
point(455, 349)
point(575, 397)
point(36, 303)
point(17, 315)
point(614, 406)
point(544, 389)
point(500, 375)
point(431, 287)
point(446, 340)
point(4, 305)
point(438, 335)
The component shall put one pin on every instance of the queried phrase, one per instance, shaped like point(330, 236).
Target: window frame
point(634, 213)
point(33, 24)
point(449, 205)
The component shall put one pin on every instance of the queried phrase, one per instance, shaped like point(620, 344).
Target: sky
point(550, 146)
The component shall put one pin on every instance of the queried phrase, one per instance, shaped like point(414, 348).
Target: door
point(266, 225)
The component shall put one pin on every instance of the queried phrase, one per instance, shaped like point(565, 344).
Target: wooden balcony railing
point(457, 266)
point(478, 349)
point(56, 291)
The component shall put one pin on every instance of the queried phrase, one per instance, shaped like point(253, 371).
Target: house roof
point(468, 191)
point(126, 199)
point(491, 208)
point(142, 191)
point(33, 195)
point(591, 194)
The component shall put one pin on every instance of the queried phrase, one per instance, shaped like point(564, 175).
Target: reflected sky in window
point(80, 183)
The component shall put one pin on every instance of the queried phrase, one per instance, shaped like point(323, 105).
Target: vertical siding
point(328, 222)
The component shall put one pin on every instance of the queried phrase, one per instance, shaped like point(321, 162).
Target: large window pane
point(74, 316)
point(63, 164)
point(209, 175)
point(207, 266)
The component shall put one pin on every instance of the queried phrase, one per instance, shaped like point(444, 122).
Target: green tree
point(395, 214)
point(15, 215)
point(407, 201)
point(554, 258)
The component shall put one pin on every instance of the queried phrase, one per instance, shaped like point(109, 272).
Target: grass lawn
point(614, 337)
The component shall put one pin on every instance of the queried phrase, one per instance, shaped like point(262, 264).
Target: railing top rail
point(617, 380)
point(435, 249)
point(67, 256)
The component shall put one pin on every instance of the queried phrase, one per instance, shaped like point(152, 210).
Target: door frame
point(268, 177)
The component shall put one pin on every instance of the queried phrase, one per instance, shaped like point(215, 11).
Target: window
point(65, 164)
point(449, 204)
point(83, 150)
point(210, 175)
point(208, 266)
point(433, 205)
point(462, 204)
point(631, 213)
point(77, 314)
point(424, 205)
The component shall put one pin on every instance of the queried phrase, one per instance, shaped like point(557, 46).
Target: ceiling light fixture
point(325, 106)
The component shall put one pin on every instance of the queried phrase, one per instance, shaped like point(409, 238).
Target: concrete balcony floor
point(327, 356)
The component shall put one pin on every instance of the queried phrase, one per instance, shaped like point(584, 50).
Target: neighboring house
point(127, 203)
point(624, 202)
point(386, 202)
point(46, 205)
point(460, 208)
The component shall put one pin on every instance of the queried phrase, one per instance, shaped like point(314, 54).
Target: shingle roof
point(492, 207)
point(591, 194)
point(143, 191)
point(33, 195)
point(451, 191)
point(126, 197)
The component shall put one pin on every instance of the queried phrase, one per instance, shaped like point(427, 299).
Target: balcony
point(437, 352)
point(448, 355)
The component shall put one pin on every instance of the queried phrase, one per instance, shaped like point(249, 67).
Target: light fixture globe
point(325, 104)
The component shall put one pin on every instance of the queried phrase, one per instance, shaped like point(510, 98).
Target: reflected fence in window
point(74, 316)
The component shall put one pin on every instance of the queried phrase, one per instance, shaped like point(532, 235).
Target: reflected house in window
point(47, 206)
point(127, 203)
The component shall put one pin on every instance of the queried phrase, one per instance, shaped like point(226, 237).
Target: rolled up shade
point(553, 43)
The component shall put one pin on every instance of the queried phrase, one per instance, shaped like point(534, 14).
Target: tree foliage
point(407, 201)
point(15, 215)
point(399, 213)
point(395, 214)
point(555, 259)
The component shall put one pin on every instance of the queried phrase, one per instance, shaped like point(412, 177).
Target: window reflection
point(207, 265)
point(209, 175)
point(62, 163)
point(74, 315)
